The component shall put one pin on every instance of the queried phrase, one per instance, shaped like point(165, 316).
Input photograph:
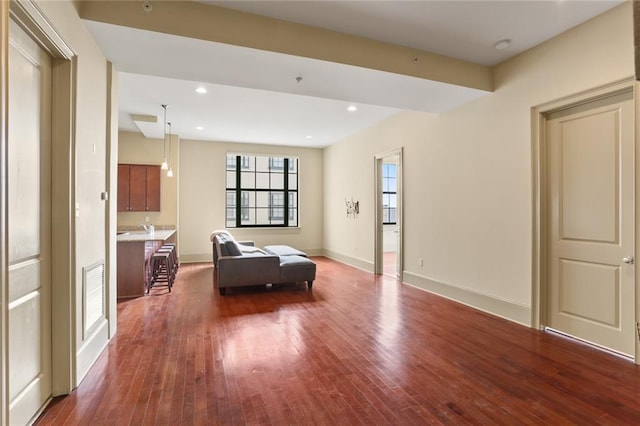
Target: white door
point(591, 232)
point(29, 220)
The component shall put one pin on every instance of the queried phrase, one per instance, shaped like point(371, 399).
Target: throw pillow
point(232, 248)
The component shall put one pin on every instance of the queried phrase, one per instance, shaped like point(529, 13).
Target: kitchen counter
point(158, 235)
point(135, 249)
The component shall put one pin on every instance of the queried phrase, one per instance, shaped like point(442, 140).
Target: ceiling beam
point(212, 23)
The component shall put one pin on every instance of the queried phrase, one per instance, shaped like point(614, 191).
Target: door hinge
point(638, 330)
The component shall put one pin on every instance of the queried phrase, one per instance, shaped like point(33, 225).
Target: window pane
point(391, 170)
point(262, 164)
point(385, 200)
point(392, 185)
point(277, 198)
point(293, 217)
point(248, 199)
point(231, 179)
point(293, 200)
point(393, 200)
point(231, 162)
point(262, 216)
point(293, 181)
point(385, 184)
point(293, 165)
point(385, 215)
point(277, 180)
point(393, 216)
point(231, 198)
point(248, 217)
point(262, 199)
point(231, 218)
point(262, 180)
point(277, 163)
point(248, 180)
point(248, 163)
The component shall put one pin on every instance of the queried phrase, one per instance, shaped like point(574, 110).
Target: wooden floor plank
point(357, 349)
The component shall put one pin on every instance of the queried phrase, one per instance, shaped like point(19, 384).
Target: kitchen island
point(135, 249)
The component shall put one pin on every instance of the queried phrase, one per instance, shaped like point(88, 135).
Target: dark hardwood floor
point(357, 349)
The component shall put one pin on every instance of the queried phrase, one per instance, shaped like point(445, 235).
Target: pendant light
point(164, 165)
point(170, 171)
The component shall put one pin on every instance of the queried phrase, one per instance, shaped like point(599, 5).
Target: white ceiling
point(253, 95)
point(463, 29)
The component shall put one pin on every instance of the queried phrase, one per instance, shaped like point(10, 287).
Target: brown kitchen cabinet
point(138, 188)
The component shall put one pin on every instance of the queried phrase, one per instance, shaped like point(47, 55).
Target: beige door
point(29, 220)
point(591, 233)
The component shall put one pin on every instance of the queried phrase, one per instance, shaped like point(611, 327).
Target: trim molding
point(29, 14)
point(486, 303)
point(4, 258)
point(91, 350)
point(365, 265)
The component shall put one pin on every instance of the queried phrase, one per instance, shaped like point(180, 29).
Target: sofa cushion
point(232, 248)
point(228, 246)
point(284, 251)
point(297, 268)
point(251, 249)
point(212, 236)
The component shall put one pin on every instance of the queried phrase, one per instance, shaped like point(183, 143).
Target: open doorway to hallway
point(388, 256)
point(390, 215)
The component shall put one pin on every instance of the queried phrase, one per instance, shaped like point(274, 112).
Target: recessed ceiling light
point(352, 108)
point(201, 90)
point(199, 128)
point(502, 44)
point(309, 136)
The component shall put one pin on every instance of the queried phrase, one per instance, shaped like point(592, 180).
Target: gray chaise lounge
point(241, 264)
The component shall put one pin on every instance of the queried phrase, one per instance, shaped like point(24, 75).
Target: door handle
point(628, 259)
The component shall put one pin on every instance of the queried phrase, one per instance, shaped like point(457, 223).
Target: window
point(232, 161)
point(261, 191)
point(389, 193)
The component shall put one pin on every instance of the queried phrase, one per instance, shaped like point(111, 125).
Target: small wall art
point(353, 208)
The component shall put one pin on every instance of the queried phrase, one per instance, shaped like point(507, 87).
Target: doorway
point(37, 144)
point(388, 256)
point(29, 226)
point(587, 213)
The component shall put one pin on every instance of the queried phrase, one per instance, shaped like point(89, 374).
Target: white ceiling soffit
point(147, 124)
point(459, 29)
point(146, 52)
point(236, 114)
point(184, 63)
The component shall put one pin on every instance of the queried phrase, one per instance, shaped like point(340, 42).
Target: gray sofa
point(239, 264)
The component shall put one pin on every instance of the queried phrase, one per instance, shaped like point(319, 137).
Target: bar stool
point(175, 254)
point(173, 258)
point(162, 271)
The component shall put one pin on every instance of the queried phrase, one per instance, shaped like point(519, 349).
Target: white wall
point(134, 148)
point(202, 198)
point(468, 173)
point(90, 136)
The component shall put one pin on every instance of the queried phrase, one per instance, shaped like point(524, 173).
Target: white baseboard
point(486, 303)
point(365, 265)
point(90, 350)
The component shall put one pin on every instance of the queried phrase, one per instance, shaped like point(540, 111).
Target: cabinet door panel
point(123, 188)
point(153, 188)
point(138, 188)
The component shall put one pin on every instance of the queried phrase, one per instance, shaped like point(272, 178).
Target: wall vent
point(93, 295)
